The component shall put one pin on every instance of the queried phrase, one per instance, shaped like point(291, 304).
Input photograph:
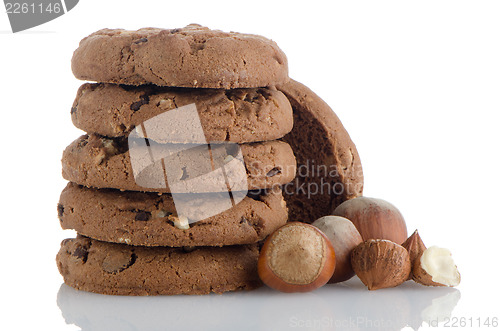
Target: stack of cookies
point(178, 177)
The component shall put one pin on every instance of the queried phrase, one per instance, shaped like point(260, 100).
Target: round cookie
point(149, 219)
point(118, 269)
point(328, 166)
point(193, 56)
point(240, 115)
point(100, 162)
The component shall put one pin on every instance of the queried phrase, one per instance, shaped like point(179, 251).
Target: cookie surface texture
point(118, 269)
point(149, 219)
point(100, 162)
point(240, 116)
point(193, 56)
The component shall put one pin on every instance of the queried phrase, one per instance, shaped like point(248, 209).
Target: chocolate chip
point(232, 149)
point(197, 46)
point(73, 110)
point(83, 142)
point(81, 253)
point(116, 262)
point(175, 30)
point(65, 241)
point(142, 40)
point(273, 172)
point(142, 216)
point(255, 195)
point(184, 174)
point(243, 220)
point(60, 210)
point(138, 104)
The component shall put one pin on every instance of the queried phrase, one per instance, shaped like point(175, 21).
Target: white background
point(416, 84)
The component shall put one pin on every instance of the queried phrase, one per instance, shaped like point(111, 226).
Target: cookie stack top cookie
point(193, 56)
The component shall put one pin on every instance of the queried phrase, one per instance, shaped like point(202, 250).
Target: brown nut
point(374, 218)
point(344, 238)
point(381, 263)
point(296, 258)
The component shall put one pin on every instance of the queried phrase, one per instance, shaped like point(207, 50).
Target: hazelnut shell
point(374, 218)
point(344, 238)
point(381, 263)
point(415, 247)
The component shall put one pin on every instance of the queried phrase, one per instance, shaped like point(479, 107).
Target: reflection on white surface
point(347, 306)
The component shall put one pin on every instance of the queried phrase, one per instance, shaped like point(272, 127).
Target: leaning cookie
point(119, 269)
point(328, 166)
point(149, 219)
point(193, 56)
point(240, 115)
point(100, 162)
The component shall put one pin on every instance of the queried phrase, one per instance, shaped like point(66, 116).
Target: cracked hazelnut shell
point(435, 267)
point(415, 247)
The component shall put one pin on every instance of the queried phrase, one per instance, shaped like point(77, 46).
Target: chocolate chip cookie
point(193, 56)
point(328, 166)
point(119, 269)
point(100, 162)
point(240, 115)
point(149, 219)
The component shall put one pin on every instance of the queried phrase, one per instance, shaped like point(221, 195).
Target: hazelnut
point(344, 238)
point(296, 258)
point(415, 247)
point(374, 218)
point(381, 263)
point(435, 267)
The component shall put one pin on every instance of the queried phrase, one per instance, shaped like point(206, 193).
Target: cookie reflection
point(347, 306)
point(97, 312)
